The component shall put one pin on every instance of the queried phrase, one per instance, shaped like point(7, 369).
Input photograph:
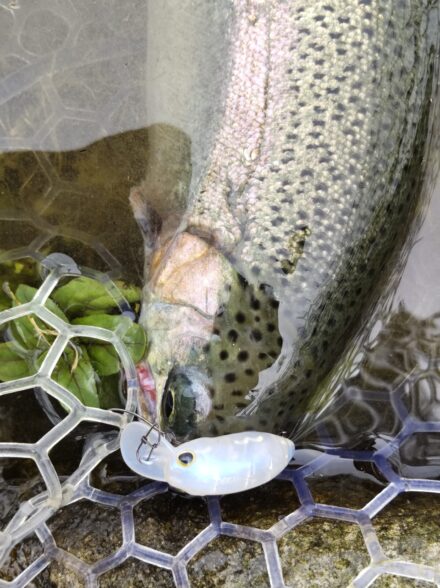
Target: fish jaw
point(177, 336)
point(184, 294)
point(189, 271)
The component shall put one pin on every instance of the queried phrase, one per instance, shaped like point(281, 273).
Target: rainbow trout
point(308, 186)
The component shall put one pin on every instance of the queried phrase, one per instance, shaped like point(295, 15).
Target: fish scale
point(244, 115)
point(343, 101)
point(313, 177)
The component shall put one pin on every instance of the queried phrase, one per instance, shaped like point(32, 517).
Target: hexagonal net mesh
point(33, 515)
point(36, 510)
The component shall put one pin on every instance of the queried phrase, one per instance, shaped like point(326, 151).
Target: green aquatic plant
point(89, 368)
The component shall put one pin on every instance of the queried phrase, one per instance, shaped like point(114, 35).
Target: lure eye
point(186, 458)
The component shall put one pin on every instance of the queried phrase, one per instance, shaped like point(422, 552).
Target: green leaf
point(104, 356)
point(108, 392)
point(29, 331)
point(26, 293)
point(82, 295)
point(18, 272)
point(13, 365)
point(5, 301)
point(81, 380)
point(23, 331)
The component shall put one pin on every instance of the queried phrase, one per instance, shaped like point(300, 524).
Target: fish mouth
point(147, 392)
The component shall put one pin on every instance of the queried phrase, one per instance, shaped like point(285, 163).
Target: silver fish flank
point(311, 178)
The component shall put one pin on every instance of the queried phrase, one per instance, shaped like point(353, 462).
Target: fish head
point(210, 335)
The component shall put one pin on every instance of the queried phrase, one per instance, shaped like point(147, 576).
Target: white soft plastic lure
point(208, 465)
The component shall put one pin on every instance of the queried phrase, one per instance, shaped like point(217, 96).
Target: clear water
point(79, 121)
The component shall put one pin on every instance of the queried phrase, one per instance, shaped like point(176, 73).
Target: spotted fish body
point(309, 184)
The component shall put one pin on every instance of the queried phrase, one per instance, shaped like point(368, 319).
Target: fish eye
point(177, 402)
point(186, 458)
point(168, 403)
point(185, 401)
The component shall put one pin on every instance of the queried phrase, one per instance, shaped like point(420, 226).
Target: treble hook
point(144, 439)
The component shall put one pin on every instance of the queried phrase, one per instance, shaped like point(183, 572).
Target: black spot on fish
point(240, 317)
point(256, 335)
point(243, 356)
point(255, 303)
point(230, 377)
point(223, 354)
point(232, 335)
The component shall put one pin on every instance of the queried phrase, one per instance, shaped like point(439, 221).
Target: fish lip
point(147, 392)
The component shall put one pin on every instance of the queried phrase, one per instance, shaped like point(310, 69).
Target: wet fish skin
point(310, 184)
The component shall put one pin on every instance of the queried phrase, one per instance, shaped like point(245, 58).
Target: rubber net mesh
point(32, 516)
